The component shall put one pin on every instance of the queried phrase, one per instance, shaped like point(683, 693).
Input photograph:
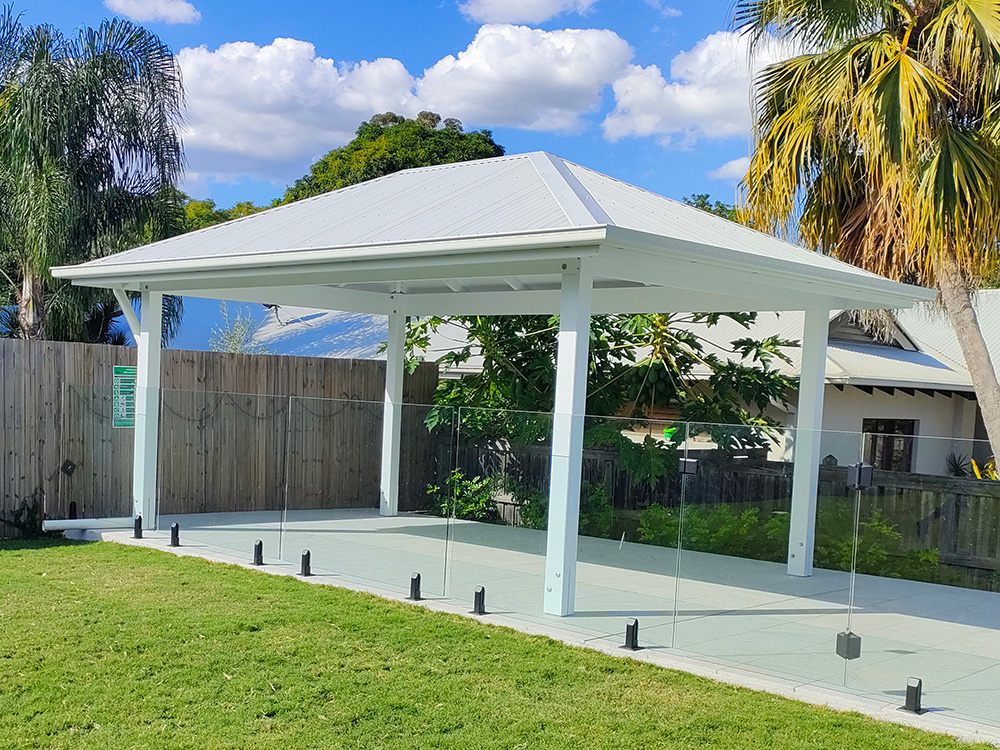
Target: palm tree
point(880, 145)
point(89, 152)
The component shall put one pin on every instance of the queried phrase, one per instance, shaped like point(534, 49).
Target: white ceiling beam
point(318, 297)
point(546, 302)
point(516, 284)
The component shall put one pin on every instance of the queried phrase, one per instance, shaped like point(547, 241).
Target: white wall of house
point(945, 424)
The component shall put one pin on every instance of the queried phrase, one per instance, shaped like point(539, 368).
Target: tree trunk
point(30, 310)
point(958, 303)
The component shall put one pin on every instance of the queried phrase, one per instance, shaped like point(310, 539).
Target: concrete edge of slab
point(819, 695)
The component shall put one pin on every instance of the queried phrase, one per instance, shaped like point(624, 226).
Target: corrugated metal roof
point(467, 199)
point(931, 326)
point(504, 195)
point(634, 208)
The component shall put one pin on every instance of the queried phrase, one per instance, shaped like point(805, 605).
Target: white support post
point(806, 445)
point(147, 409)
point(567, 444)
point(392, 417)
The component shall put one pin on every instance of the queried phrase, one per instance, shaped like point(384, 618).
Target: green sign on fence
point(123, 397)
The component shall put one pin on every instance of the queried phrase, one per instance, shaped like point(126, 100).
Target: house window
point(889, 443)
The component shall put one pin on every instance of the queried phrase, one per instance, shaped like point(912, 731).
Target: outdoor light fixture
point(68, 467)
point(479, 601)
point(859, 476)
point(137, 528)
point(305, 568)
point(258, 552)
point(914, 692)
point(848, 645)
point(414, 588)
point(175, 535)
point(632, 634)
point(688, 466)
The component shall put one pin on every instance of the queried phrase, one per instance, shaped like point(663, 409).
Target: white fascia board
point(465, 250)
point(864, 292)
point(897, 383)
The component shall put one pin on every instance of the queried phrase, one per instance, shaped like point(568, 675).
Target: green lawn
point(108, 646)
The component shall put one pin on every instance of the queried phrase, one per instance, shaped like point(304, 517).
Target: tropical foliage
point(89, 151)
point(388, 143)
point(880, 144)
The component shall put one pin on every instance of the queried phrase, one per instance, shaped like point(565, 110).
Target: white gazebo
point(521, 234)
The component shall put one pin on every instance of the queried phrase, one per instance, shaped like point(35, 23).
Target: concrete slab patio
point(727, 616)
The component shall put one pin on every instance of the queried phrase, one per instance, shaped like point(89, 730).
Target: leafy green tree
point(89, 151)
point(199, 214)
point(881, 145)
point(704, 202)
point(388, 143)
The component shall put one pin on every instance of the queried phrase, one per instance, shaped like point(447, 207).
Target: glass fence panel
point(93, 476)
point(741, 598)
point(222, 470)
point(630, 501)
point(498, 493)
point(927, 586)
point(333, 494)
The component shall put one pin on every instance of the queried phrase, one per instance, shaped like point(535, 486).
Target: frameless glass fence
point(93, 476)
point(333, 493)
point(222, 461)
point(497, 498)
point(739, 599)
point(927, 586)
point(631, 494)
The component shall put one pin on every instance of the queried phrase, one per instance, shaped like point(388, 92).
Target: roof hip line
point(573, 198)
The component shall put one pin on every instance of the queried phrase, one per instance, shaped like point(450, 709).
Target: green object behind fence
point(124, 396)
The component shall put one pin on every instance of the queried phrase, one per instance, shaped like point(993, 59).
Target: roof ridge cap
point(576, 202)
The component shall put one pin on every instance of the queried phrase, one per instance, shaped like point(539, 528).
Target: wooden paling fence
point(237, 432)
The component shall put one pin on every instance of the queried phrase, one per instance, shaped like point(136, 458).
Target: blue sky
point(645, 90)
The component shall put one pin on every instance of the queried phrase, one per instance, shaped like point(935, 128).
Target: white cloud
point(168, 11)
point(527, 78)
point(667, 11)
point(706, 96)
point(267, 111)
point(731, 171)
point(520, 11)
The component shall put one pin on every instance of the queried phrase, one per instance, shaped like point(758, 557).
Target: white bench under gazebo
point(521, 234)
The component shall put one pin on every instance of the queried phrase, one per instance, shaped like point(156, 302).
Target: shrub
point(596, 513)
point(469, 499)
point(659, 525)
point(761, 535)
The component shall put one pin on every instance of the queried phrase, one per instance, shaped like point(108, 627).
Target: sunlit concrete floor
point(726, 610)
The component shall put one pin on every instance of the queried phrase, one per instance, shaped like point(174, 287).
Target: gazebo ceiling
point(493, 237)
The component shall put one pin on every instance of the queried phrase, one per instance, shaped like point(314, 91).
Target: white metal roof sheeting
point(466, 199)
point(634, 208)
point(931, 326)
point(852, 362)
point(503, 196)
